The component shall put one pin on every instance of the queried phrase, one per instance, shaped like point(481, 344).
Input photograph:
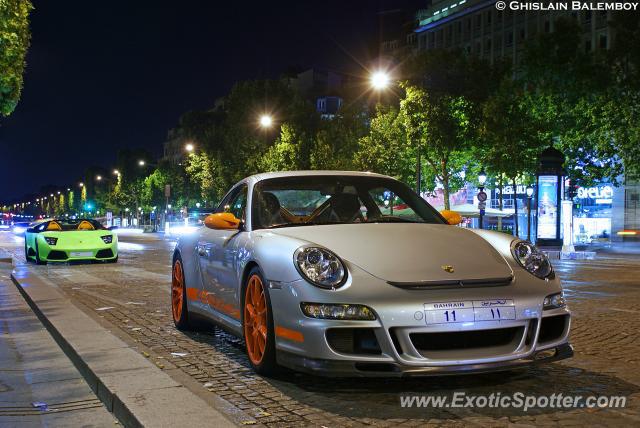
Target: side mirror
point(452, 217)
point(222, 221)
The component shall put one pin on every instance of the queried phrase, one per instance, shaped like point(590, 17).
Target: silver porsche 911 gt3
point(347, 273)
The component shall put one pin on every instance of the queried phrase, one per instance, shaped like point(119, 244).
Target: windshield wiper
point(308, 223)
point(392, 220)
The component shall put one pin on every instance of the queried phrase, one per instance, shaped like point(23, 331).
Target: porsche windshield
point(337, 199)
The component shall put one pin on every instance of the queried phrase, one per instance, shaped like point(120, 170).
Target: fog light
point(50, 240)
point(337, 311)
point(554, 301)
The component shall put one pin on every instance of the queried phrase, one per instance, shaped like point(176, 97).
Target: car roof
point(267, 175)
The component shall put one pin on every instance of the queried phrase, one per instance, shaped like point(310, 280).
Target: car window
point(392, 205)
point(316, 199)
point(235, 202)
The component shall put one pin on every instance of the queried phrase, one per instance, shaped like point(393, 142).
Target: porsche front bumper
point(341, 368)
point(401, 343)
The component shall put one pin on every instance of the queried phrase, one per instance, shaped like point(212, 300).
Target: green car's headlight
point(51, 240)
point(532, 259)
point(320, 266)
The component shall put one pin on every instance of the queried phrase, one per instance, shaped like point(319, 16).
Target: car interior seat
point(54, 225)
point(345, 207)
point(85, 225)
point(270, 209)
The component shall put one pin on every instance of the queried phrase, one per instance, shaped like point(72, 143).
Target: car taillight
point(108, 239)
point(50, 240)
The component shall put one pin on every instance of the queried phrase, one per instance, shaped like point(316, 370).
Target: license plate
point(469, 311)
point(81, 254)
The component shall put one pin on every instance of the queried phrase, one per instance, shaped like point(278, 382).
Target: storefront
point(593, 212)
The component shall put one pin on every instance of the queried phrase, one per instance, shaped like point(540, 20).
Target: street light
point(81, 184)
point(141, 162)
point(266, 121)
point(189, 147)
point(529, 198)
point(98, 177)
point(482, 196)
point(116, 172)
point(380, 80)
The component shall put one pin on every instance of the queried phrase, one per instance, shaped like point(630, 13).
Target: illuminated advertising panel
point(547, 206)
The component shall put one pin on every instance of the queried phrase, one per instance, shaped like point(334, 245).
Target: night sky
point(108, 75)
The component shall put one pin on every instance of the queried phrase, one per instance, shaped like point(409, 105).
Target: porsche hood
point(411, 254)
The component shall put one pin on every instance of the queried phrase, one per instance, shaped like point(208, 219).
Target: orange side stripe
point(286, 333)
point(192, 293)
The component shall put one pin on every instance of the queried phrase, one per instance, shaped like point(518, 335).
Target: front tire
point(179, 295)
point(257, 325)
point(38, 260)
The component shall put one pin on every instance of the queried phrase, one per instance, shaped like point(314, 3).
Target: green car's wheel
point(38, 261)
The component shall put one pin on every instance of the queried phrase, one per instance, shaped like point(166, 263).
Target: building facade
point(478, 27)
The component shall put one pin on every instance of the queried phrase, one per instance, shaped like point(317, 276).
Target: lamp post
point(482, 196)
point(529, 197)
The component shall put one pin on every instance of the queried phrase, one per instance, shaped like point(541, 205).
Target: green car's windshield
point(337, 199)
point(68, 224)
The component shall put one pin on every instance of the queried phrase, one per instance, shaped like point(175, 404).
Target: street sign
point(482, 196)
point(482, 205)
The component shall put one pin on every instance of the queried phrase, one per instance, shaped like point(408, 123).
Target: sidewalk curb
point(108, 367)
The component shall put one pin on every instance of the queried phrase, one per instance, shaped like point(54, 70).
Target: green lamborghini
point(64, 240)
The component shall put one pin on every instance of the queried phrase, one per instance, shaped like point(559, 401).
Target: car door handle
point(204, 250)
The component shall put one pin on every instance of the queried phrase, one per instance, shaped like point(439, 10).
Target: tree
point(337, 139)
point(439, 127)
point(385, 149)
point(14, 43)
point(206, 171)
point(510, 138)
point(568, 91)
point(287, 152)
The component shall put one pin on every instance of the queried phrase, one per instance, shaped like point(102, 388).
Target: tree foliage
point(14, 43)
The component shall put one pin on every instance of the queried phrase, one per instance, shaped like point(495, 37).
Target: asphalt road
point(604, 295)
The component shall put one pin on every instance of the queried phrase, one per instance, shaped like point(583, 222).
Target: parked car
point(347, 273)
point(62, 240)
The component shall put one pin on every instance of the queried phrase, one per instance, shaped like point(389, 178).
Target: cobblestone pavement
point(604, 295)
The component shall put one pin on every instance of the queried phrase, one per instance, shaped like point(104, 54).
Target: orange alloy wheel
point(177, 290)
point(255, 320)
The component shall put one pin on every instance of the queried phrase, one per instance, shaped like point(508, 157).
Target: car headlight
point(332, 311)
point(532, 259)
point(50, 240)
point(320, 267)
point(107, 239)
point(554, 301)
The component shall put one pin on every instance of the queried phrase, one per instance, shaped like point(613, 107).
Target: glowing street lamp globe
point(380, 80)
point(266, 121)
point(189, 147)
